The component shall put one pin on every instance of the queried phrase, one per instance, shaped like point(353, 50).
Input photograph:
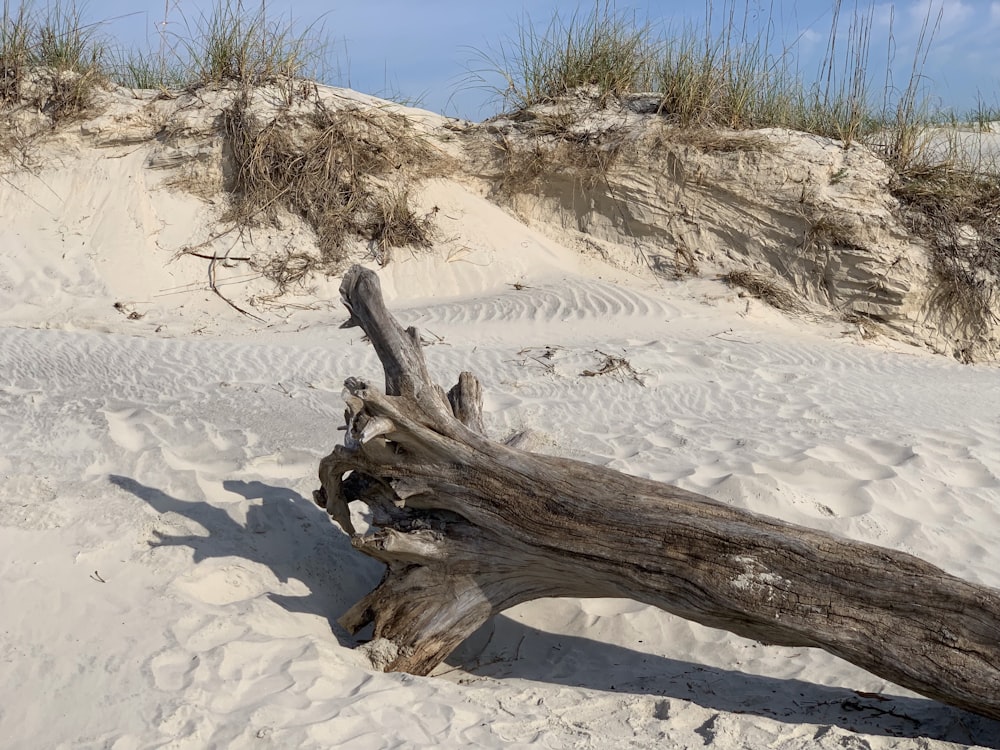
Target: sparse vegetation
point(543, 149)
point(709, 85)
point(392, 222)
point(617, 367)
point(764, 288)
point(957, 212)
point(604, 48)
point(828, 230)
point(335, 169)
point(737, 76)
point(49, 59)
point(342, 171)
point(231, 43)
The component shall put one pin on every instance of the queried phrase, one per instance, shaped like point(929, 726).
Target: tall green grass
point(603, 48)
point(54, 38)
point(232, 41)
point(732, 70)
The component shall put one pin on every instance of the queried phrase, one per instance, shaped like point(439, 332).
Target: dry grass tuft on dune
point(346, 172)
point(958, 212)
point(764, 288)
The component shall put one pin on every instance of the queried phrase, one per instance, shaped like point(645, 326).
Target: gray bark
point(468, 527)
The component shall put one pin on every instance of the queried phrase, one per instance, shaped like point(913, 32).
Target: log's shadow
point(506, 649)
point(293, 538)
point(284, 532)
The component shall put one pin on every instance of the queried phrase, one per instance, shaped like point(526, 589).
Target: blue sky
point(423, 49)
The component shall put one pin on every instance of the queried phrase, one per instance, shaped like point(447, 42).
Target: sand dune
point(167, 583)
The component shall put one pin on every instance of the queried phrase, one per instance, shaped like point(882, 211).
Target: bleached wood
point(468, 527)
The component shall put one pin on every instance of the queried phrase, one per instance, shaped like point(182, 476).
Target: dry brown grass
point(827, 230)
point(50, 60)
point(526, 157)
point(764, 288)
point(345, 172)
point(714, 140)
point(392, 222)
point(957, 212)
point(617, 367)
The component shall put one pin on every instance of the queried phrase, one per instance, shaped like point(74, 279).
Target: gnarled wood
point(468, 527)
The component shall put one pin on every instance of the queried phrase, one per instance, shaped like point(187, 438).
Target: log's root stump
point(468, 527)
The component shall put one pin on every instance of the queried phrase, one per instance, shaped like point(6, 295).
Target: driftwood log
point(468, 527)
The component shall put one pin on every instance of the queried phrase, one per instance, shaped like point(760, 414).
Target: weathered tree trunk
point(468, 527)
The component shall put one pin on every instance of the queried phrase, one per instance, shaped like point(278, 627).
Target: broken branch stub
point(468, 527)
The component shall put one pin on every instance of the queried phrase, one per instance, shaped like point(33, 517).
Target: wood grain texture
point(468, 527)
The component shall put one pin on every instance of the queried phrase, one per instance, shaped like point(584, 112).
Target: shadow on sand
point(284, 532)
point(507, 649)
point(294, 538)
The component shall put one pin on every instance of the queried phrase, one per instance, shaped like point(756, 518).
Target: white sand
point(165, 582)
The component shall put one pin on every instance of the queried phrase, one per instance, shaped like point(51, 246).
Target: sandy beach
point(167, 581)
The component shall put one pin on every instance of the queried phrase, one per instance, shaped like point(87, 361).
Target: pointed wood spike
point(377, 427)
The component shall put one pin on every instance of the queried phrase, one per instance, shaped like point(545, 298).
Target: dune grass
point(732, 72)
point(737, 76)
point(49, 57)
point(230, 42)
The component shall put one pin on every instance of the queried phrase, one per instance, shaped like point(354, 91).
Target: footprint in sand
point(173, 670)
point(125, 427)
point(29, 502)
point(220, 586)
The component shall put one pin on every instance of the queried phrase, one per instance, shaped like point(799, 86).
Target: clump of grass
point(141, 69)
point(827, 230)
point(957, 212)
point(392, 222)
point(17, 34)
point(604, 49)
point(232, 43)
point(335, 171)
point(50, 59)
point(289, 269)
point(764, 288)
